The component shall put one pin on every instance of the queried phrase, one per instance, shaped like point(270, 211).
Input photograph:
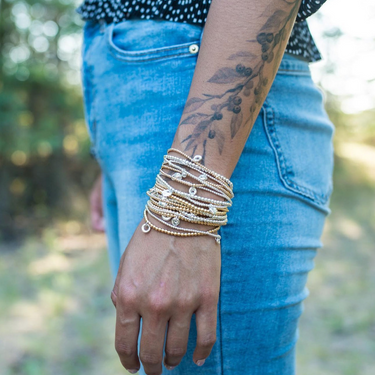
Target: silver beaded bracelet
point(170, 206)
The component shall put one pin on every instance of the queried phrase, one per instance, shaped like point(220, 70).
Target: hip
point(136, 78)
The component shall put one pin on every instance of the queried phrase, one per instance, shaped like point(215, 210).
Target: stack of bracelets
point(169, 205)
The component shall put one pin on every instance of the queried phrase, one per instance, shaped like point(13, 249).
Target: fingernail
point(200, 362)
point(169, 367)
point(132, 371)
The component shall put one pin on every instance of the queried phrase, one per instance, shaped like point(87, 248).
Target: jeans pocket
point(300, 134)
point(152, 40)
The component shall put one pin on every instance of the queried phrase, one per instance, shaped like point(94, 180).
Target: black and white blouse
point(300, 42)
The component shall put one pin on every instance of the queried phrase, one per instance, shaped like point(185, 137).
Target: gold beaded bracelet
point(170, 206)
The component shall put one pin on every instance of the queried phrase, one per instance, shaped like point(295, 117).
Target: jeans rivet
point(193, 48)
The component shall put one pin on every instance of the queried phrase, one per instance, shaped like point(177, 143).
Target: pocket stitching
point(282, 165)
point(148, 55)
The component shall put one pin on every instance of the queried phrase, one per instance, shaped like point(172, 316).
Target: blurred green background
point(56, 316)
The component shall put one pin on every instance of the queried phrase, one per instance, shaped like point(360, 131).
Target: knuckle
point(209, 296)
point(176, 351)
point(208, 340)
point(128, 297)
point(158, 305)
point(124, 349)
point(150, 359)
point(185, 304)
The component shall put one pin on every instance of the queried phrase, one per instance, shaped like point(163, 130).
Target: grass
point(56, 316)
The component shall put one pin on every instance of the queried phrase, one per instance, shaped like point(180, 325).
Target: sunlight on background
point(352, 55)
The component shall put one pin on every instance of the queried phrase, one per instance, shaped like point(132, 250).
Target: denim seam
point(92, 116)
point(270, 128)
point(295, 72)
point(138, 60)
point(294, 66)
point(221, 329)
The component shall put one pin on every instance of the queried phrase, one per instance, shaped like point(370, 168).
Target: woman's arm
point(241, 49)
point(163, 278)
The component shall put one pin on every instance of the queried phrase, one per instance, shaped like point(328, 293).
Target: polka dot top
point(300, 42)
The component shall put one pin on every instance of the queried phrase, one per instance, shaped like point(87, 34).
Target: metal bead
point(175, 221)
point(192, 190)
point(145, 228)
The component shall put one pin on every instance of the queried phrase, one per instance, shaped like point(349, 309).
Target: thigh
point(140, 73)
point(282, 185)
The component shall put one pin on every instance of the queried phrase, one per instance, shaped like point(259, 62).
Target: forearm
point(241, 49)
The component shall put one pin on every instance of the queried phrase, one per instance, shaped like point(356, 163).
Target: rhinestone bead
point(167, 193)
point(175, 221)
point(197, 158)
point(192, 191)
point(217, 239)
point(202, 177)
point(212, 209)
point(163, 204)
point(166, 218)
point(184, 173)
point(177, 175)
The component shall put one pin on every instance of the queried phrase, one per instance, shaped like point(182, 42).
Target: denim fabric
point(136, 80)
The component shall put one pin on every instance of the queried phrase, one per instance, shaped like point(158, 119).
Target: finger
point(126, 333)
point(152, 342)
point(206, 321)
point(96, 206)
point(177, 339)
point(97, 222)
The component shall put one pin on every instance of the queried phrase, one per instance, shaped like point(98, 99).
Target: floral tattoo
point(246, 74)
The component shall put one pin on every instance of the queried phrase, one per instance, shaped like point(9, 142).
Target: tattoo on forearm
point(246, 74)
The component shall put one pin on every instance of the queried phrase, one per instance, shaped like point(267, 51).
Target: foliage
point(43, 140)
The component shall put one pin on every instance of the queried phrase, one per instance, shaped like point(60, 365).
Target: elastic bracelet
point(170, 206)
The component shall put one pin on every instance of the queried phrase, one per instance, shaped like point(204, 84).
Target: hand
point(96, 206)
point(165, 278)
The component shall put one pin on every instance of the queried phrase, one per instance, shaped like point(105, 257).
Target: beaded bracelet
point(170, 206)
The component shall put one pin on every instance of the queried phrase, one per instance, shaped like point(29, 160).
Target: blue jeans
point(136, 80)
